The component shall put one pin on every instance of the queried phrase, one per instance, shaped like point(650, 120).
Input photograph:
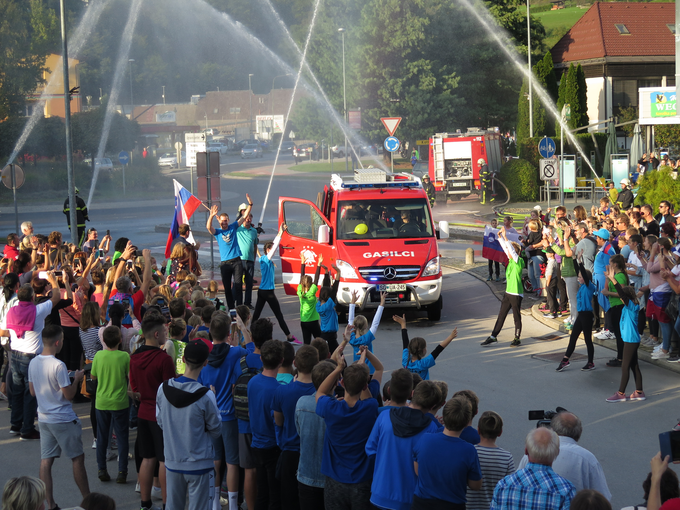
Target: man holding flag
point(230, 253)
point(185, 206)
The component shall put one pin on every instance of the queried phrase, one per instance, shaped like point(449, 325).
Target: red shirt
point(149, 368)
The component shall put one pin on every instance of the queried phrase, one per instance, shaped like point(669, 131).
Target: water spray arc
point(80, 35)
point(504, 42)
point(290, 105)
point(341, 122)
point(119, 74)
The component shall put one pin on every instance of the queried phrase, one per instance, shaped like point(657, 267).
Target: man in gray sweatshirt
point(187, 412)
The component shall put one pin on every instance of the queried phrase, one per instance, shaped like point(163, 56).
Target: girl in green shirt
point(306, 291)
point(513, 291)
point(613, 315)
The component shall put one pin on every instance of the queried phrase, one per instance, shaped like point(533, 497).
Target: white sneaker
point(111, 455)
point(156, 493)
point(657, 347)
point(94, 444)
point(661, 355)
point(611, 336)
point(567, 320)
point(138, 488)
point(602, 335)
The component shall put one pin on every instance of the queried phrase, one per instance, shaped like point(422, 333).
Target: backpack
point(240, 392)
point(119, 297)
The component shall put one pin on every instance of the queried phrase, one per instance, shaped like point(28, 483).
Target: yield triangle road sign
point(391, 124)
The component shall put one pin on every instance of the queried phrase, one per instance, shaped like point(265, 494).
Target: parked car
point(100, 163)
point(420, 169)
point(170, 160)
point(288, 147)
point(307, 151)
point(339, 151)
point(251, 150)
point(217, 147)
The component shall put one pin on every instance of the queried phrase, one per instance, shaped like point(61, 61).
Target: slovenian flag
point(185, 205)
point(492, 249)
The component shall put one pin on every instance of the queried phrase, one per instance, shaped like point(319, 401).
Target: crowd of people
point(616, 268)
point(226, 414)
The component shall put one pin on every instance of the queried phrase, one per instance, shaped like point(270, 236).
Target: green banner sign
point(663, 104)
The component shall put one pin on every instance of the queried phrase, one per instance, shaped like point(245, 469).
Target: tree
point(21, 59)
point(572, 91)
point(544, 76)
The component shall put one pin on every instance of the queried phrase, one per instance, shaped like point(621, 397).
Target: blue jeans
point(535, 271)
point(24, 406)
point(666, 333)
point(121, 428)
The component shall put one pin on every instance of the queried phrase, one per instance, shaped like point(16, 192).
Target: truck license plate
point(458, 184)
point(391, 287)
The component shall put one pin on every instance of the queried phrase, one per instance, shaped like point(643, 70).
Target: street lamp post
point(250, 114)
point(531, 75)
point(67, 121)
point(132, 102)
point(344, 97)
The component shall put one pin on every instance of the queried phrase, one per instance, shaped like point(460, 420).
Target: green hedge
point(656, 186)
point(521, 179)
point(528, 149)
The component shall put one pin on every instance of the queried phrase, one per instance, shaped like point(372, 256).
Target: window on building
point(234, 110)
point(622, 29)
point(671, 27)
point(261, 100)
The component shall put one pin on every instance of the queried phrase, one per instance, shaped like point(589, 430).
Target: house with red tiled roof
point(621, 47)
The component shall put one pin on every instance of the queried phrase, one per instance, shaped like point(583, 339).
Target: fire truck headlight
point(346, 270)
point(432, 267)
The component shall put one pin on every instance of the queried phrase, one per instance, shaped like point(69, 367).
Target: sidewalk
point(531, 307)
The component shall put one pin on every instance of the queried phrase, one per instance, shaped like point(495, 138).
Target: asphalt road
point(510, 381)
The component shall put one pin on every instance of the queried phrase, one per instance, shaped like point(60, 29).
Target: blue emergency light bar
point(387, 180)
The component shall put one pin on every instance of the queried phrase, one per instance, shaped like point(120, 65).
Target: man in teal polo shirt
point(230, 253)
point(247, 242)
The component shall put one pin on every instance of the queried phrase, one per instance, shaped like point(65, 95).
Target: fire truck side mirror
point(443, 229)
point(324, 234)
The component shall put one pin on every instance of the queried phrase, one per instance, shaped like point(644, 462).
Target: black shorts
point(150, 440)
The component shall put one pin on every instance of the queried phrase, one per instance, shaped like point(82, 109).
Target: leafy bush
point(656, 186)
point(521, 179)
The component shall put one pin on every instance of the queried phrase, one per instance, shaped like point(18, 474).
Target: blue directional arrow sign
point(123, 157)
point(546, 147)
point(391, 144)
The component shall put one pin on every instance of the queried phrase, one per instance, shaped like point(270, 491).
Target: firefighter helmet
point(481, 161)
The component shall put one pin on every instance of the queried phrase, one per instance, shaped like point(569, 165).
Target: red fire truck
point(377, 228)
point(456, 158)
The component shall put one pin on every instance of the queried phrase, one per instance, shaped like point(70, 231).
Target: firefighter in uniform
point(485, 181)
point(81, 216)
point(429, 189)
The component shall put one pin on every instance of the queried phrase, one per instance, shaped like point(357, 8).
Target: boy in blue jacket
point(187, 413)
point(223, 365)
point(391, 443)
point(326, 308)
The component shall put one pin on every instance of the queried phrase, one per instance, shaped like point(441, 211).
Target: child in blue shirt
point(584, 319)
point(349, 423)
point(326, 308)
point(391, 442)
point(261, 390)
point(265, 293)
point(362, 335)
point(285, 401)
point(631, 340)
point(445, 464)
point(414, 352)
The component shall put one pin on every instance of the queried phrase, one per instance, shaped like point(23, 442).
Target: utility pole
point(531, 75)
point(67, 123)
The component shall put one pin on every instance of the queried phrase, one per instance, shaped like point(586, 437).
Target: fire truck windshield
point(384, 219)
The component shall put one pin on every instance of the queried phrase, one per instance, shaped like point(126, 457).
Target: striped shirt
point(536, 487)
point(496, 464)
point(90, 340)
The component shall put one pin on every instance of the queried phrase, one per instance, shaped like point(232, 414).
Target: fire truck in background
point(456, 159)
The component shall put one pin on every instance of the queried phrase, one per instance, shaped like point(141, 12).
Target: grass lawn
point(558, 22)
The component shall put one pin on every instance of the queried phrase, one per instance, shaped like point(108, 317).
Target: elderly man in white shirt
point(574, 462)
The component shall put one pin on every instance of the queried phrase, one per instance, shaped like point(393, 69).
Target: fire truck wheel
point(434, 311)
